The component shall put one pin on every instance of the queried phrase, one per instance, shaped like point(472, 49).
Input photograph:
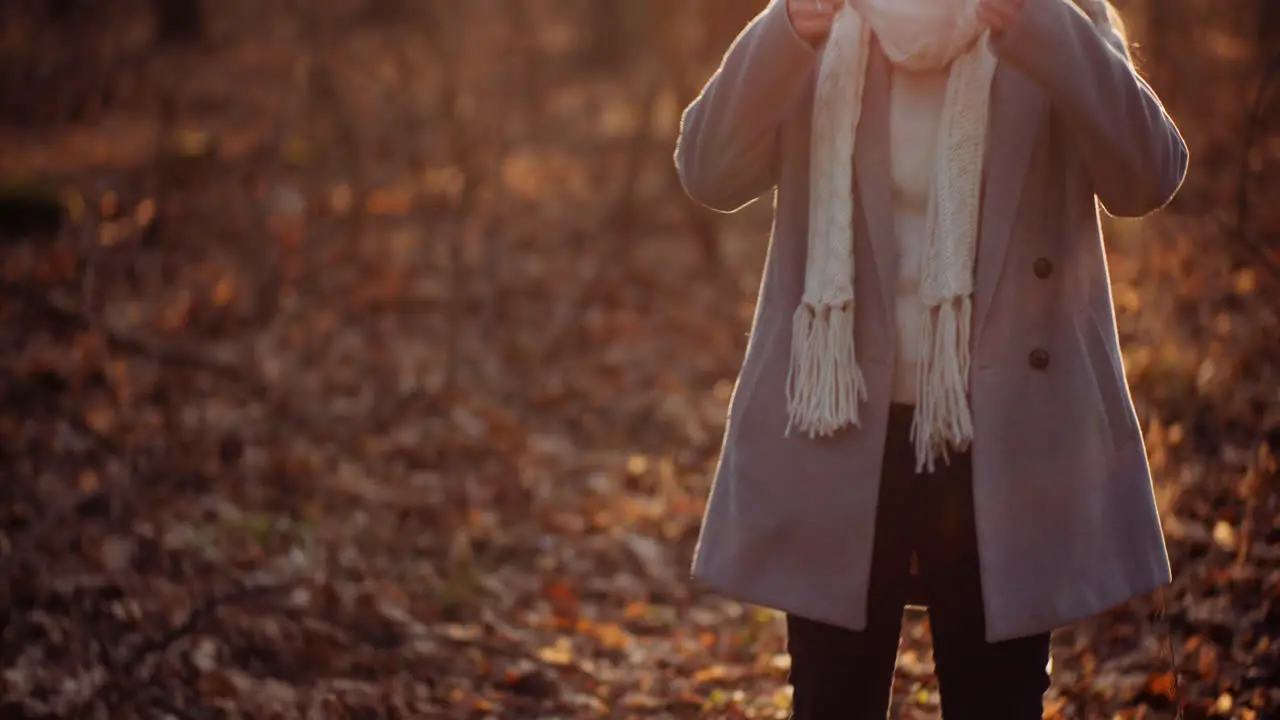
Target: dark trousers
point(839, 674)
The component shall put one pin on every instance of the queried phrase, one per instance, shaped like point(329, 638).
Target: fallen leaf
point(559, 653)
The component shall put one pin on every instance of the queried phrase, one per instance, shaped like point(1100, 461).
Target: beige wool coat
point(1066, 517)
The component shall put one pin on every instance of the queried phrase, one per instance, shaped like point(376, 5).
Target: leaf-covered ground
point(295, 422)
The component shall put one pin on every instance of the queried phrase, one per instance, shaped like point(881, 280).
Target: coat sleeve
point(726, 153)
point(1134, 153)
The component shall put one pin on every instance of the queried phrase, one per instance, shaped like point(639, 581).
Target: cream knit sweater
point(915, 110)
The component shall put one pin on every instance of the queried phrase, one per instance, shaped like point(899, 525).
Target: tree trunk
point(1268, 29)
point(385, 11)
point(609, 43)
point(59, 10)
point(178, 21)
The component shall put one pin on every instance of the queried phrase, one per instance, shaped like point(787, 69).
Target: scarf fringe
point(943, 418)
point(824, 382)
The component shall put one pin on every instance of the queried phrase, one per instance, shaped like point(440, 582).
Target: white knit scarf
point(824, 382)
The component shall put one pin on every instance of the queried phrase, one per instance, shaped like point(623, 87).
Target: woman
point(932, 407)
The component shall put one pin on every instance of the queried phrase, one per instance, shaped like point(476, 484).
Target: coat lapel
point(1014, 122)
point(871, 170)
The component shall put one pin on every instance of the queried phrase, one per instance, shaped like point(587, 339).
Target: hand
point(1000, 15)
point(812, 18)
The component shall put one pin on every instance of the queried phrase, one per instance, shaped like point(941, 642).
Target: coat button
point(1039, 359)
point(1043, 268)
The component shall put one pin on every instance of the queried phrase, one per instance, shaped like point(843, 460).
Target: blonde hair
point(1117, 21)
point(1104, 15)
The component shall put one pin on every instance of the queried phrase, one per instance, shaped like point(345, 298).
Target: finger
point(810, 7)
point(812, 30)
point(1003, 8)
point(812, 13)
point(995, 15)
point(811, 23)
point(811, 27)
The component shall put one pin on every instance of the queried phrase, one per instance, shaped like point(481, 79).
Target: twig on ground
point(160, 701)
point(127, 688)
point(311, 422)
point(116, 340)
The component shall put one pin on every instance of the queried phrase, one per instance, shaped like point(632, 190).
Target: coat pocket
point(1106, 367)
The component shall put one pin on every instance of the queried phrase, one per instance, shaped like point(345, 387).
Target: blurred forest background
point(363, 359)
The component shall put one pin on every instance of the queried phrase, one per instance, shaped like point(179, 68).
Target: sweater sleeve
point(1134, 153)
point(726, 153)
